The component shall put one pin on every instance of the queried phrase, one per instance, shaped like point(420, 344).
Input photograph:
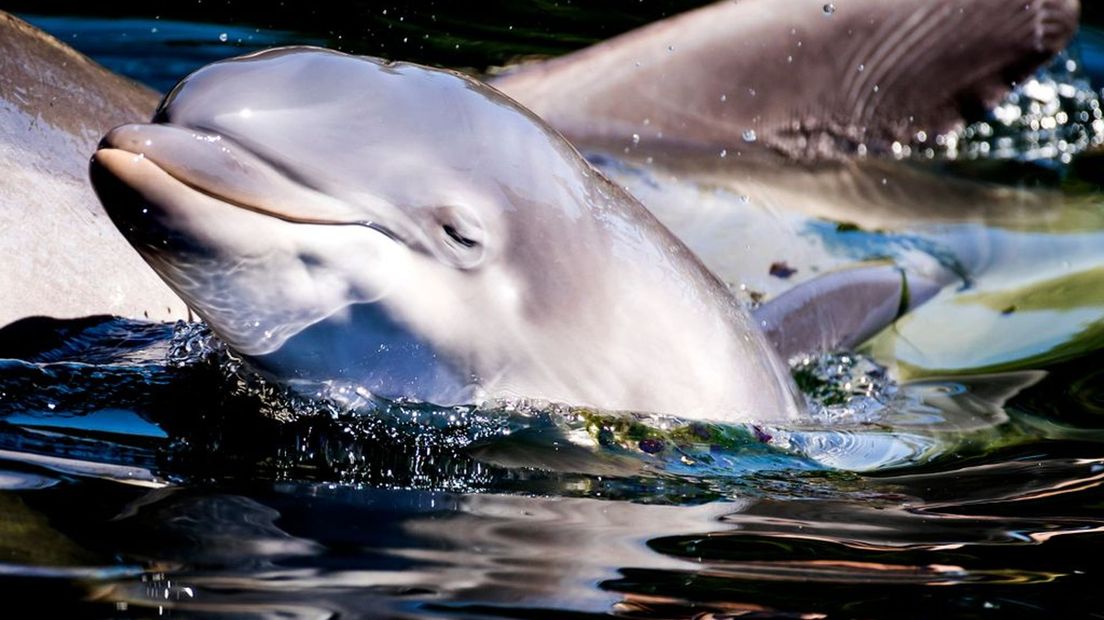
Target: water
point(198, 494)
point(143, 472)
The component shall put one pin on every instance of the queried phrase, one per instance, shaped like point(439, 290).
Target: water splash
point(199, 412)
point(1048, 119)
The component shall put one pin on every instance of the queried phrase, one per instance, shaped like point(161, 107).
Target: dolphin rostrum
point(415, 233)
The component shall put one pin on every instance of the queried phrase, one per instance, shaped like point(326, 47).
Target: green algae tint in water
point(143, 475)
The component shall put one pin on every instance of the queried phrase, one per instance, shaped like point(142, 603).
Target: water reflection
point(270, 531)
point(317, 549)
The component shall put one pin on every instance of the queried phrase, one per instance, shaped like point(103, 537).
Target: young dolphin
point(413, 232)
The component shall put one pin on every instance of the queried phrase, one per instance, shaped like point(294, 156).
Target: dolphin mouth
point(221, 169)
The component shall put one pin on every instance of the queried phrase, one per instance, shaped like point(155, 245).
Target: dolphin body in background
point(625, 318)
point(809, 81)
point(62, 256)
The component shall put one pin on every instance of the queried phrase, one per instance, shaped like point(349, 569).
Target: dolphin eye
point(455, 235)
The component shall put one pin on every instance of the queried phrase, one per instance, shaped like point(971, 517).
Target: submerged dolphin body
point(413, 232)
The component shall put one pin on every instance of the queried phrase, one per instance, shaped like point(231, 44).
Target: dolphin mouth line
point(380, 228)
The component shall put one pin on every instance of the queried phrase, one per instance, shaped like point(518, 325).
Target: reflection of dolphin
point(517, 272)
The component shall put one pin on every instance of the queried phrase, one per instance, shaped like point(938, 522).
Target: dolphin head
point(408, 229)
point(295, 187)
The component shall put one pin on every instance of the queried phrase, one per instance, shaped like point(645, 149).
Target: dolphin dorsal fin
point(842, 309)
point(805, 79)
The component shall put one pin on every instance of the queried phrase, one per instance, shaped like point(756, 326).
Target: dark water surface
point(142, 475)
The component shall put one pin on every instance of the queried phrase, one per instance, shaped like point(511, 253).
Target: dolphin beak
point(220, 168)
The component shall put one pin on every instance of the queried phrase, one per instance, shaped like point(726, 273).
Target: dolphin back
point(806, 80)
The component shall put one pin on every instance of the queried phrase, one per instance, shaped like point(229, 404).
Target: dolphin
point(367, 276)
point(668, 83)
point(455, 250)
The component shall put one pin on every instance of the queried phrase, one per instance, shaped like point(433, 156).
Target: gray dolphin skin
point(284, 195)
point(786, 77)
point(62, 256)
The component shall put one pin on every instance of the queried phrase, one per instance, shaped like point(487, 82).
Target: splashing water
point(211, 414)
point(860, 420)
point(1048, 119)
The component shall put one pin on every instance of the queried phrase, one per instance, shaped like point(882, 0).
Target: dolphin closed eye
point(413, 232)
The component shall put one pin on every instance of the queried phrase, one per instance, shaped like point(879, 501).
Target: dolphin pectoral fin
point(796, 77)
point(842, 309)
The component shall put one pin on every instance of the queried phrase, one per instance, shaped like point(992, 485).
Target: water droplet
point(829, 9)
point(724, 98)
point(223, 37)
point(670, 48)
point(745, 199)
point(876, 88)
point(724, 152)
point(862, 67)
point(635, 139)
point(749, 135)
point(789, 58)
